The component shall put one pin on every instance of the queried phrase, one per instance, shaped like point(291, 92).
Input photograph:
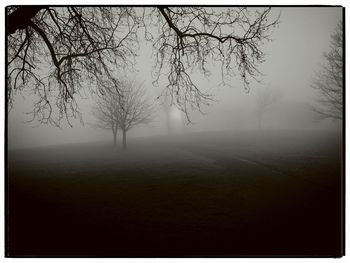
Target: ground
point(248, 193)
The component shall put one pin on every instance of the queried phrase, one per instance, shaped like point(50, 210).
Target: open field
point(200, 194)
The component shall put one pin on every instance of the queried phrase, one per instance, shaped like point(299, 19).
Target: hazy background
point(293, 57)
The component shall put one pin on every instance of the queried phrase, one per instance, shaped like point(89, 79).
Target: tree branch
point(21, 18)
point(47, 42)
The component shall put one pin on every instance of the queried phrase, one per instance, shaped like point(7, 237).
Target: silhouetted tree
point(54, 51)
point(106, 112)
point(134, 107)
point(329, 80)
point(266, 96)
point(166, 109)
point(123, 108)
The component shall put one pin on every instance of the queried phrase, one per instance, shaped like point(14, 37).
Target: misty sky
point(293, 57)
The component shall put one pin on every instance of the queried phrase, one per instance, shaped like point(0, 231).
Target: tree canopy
point(55, 52)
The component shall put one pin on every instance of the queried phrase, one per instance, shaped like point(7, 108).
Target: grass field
point(246, 193)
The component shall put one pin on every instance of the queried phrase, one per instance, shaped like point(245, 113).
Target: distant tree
point(266, 96)
point(134, 107)
point(106, 112)
point(166, 108)
point(329, 80)
point(123, 108)
point(53, 52)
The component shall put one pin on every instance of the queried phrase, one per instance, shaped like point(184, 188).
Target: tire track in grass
point(223, 158)
point(265, 185)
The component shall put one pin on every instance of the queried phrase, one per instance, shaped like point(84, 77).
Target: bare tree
point(54, 51)
point(166, 109)
point(134, 107)
point(123, 109)
point(329, 80)
point(266, 96)
point(106, 112)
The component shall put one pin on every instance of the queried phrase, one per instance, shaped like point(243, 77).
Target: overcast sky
point(292, 59)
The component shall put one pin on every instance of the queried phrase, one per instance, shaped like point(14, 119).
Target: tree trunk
point(124, 139)
point(260, 117)
point(21, 18)
point(260, 127)
point(168, 121)
point(114, 139)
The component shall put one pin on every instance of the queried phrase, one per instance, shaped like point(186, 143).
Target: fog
point(256, 173)
point(293, 57)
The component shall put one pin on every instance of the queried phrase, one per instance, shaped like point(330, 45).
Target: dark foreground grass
point(204, 194)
